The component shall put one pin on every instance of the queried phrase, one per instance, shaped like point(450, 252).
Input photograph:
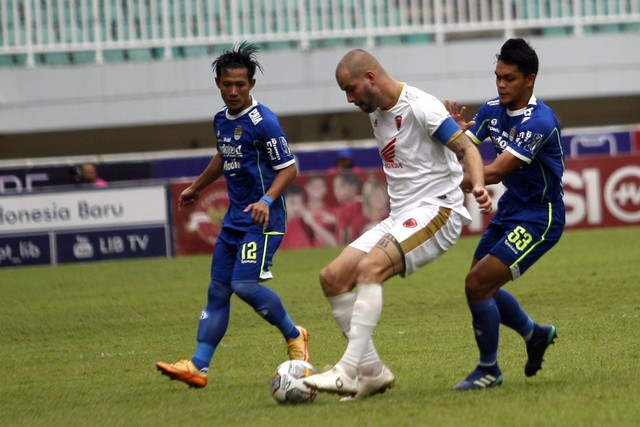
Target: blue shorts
point(243, 256)
point(520, 235)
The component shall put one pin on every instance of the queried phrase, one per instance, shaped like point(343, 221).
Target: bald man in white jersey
point(421, 147)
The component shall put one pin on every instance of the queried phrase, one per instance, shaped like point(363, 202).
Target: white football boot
point(368, 386)
point(334, 380)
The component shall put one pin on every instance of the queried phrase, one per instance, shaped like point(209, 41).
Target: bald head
point(365, 81)
point(357, 62)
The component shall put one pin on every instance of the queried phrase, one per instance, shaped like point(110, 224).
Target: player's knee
point(244, 288)
point(218, 292)
point(335, 282)
point(327, 278)
point(479, 288)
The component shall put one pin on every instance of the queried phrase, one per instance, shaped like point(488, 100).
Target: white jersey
point(419, 168)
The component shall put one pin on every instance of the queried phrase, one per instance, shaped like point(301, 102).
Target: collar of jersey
point(245, 111)
point(514, 113)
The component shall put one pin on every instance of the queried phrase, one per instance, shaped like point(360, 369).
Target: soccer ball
point(286, 383)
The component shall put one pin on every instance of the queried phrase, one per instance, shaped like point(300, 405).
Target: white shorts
point(423, 234)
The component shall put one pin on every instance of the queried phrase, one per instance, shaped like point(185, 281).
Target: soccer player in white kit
point(421, 147)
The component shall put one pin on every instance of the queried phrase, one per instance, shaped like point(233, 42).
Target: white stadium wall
point(300, 82)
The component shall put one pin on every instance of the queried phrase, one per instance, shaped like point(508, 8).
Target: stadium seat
point(20, 59)
point(356, 41)
point(157, 52)
point(137, 30)
point(389, 40)
point(605, 28)
point(139, 54)
point(83, 57)
point(417, 38)
point(116, 55)
point(279, 45)
point(7, 61)
point(56, 58)
point(189, 51)
point(631, 27)
point(556, 31)
point(329, 43)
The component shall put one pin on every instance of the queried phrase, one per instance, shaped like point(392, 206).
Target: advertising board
point(599, 192)
point(84, 225)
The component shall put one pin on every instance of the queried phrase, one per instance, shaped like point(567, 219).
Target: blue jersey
point(532, 134)
point(254, 148)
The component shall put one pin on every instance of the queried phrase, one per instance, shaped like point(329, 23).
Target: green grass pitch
point(78, 344)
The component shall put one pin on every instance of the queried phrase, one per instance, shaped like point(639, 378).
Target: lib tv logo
point(83, 248)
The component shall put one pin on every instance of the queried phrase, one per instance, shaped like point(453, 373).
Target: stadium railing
point(50, 32)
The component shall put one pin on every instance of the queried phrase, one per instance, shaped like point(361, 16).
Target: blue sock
point(203, 355)
point(486, 326)
point(287, 325)
point(214, 321)
point(512, 315)
point(266, 303)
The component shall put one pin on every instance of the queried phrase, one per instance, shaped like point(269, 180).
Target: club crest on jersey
point(512, 134)
point(410, 223)
point(237, 133)
point(398, 122)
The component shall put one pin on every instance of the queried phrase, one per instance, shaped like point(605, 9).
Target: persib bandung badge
point(237, 133)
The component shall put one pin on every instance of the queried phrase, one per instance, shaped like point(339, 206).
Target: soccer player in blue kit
point(530, 217)
point(257, 164)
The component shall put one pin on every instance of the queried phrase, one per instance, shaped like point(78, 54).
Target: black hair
point(518, 52)
point(242, 55)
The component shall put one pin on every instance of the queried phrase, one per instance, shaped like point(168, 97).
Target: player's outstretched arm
point(457, 114)
point(212, 172)
point(468, 154)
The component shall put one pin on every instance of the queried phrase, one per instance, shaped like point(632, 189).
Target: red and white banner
point(599, 192)
point(602, 191)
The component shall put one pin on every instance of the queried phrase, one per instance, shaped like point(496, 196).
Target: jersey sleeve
point(480, 131)
point(280, 155)
point(435, 119)
point(531, 136)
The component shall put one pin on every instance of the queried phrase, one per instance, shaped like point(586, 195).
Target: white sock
point(342, 308)
point(370, 365)
point(366, 314)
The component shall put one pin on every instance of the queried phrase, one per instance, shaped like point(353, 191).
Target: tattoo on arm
point(457, 147)
point(458, 144)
